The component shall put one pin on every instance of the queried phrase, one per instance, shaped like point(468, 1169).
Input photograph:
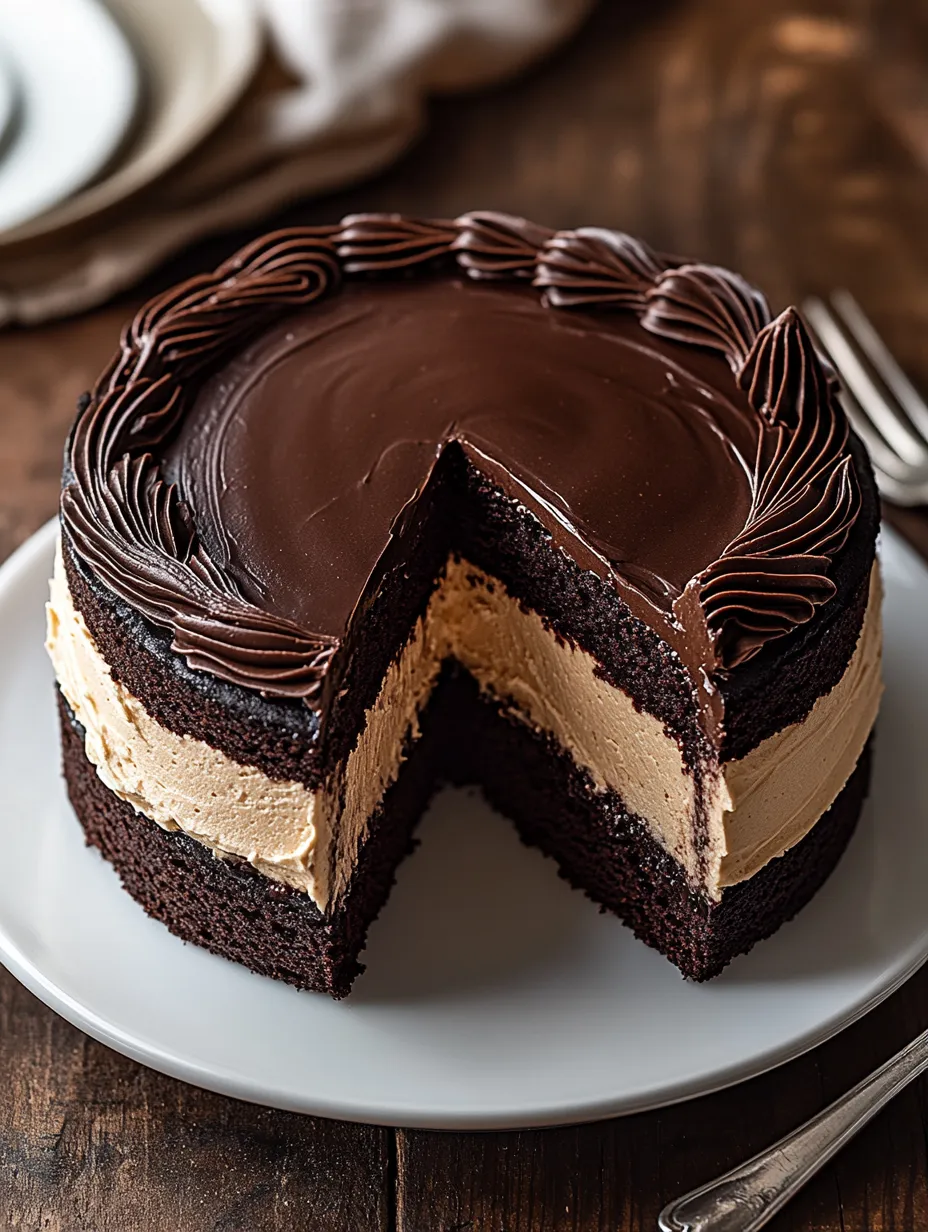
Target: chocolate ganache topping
point(239, 469)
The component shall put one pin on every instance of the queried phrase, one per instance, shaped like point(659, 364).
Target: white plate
point(496, 995)
point(196, 56)
point(78, 85)
point(9, 100)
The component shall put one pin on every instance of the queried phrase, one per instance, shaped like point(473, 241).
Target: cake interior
point(484, 690)
point(227, 907)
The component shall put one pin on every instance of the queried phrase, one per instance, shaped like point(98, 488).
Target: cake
point(394, 503)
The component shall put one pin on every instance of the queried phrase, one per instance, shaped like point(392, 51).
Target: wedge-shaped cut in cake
point(394, 503)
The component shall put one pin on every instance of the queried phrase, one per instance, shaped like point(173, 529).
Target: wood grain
point(789, 139)
point(89, 1140)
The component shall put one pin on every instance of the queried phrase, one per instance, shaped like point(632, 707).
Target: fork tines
point(885, 408)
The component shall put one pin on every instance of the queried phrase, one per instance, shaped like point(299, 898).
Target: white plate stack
point(98, 99)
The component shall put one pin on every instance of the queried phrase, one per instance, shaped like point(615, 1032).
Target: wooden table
point(787, 138)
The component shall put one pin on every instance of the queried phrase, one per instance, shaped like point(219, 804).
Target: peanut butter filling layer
point(753, 809)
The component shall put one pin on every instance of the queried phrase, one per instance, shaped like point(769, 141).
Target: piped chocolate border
point(137, 534)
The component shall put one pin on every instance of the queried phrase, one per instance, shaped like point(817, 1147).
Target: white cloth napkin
point(365, 69)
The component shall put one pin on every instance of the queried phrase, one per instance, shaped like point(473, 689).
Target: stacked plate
point(98, 99)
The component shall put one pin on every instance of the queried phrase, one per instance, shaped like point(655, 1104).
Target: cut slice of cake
point(394, 503)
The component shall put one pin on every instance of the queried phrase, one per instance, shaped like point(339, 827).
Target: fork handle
point(744, 1200)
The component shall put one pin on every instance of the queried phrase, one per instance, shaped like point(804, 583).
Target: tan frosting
point(555, 686)
point(374, 762)
point(177, 781)
point(758, 807)
point(780, 789)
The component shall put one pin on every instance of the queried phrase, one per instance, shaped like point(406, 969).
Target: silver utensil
point(745, 1199)
point(886, 409)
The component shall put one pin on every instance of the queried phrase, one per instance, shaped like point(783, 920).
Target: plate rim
point(96, 20)
point(238, 16)
point(232, 1084)
point(9, 100)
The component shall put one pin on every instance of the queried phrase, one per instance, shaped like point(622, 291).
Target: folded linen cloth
point(364, 70)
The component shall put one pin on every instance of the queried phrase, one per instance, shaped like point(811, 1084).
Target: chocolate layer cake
point(393, 503)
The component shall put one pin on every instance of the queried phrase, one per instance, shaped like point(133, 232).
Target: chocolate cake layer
point(233, 911)
point(227, 907)
point(279, 736)
point(609, 853)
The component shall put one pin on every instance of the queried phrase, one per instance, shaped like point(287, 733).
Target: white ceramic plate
point(9, 100)
point(78, 86)
point(196, 56)
point(496, 995)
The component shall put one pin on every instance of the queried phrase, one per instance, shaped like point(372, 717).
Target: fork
point(746, 1198)
point(884, 407)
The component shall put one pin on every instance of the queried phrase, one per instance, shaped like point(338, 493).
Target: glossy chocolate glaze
point(668, 434)
point(298, 455)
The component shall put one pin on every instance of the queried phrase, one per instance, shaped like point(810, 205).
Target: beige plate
point(197, 56)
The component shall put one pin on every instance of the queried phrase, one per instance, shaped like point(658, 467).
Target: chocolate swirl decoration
point(703, 305)
point(490, 245)
point(593, 268)
point(388, 243)
point(130, 526)
point(806, 497)
point(136, 533)
point(771, 578)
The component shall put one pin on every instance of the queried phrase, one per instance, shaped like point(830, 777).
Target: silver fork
point(885, 408)
point(745, 1199)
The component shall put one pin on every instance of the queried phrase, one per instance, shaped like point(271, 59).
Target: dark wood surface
point(788, 138)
